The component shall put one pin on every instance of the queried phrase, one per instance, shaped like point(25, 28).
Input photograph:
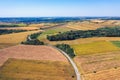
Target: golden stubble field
point(27, 62)
point(31, 52)
point(93, 24)
point(98, 60)
point(104, 66)
point(14, 38)
point(20, 28)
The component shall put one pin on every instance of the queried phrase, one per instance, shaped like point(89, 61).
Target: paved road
point(71, 61)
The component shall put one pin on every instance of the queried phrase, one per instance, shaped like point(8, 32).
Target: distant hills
point(29, 20)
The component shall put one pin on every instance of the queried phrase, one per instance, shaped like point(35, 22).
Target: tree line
point(66, 48)
point(32, 40)
point(100, 32)
point(5, 31)
point(12, 25)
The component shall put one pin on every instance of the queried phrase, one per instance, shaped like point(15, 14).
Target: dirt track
point(31, 52)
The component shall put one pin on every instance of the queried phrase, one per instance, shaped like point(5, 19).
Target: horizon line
point(50, 16)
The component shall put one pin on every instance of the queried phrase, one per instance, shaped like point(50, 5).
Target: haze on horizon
point(48, 8)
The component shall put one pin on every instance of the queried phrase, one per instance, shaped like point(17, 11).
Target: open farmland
point(98, 60)
point(109, 74)
point(31, 52)
point(104, 66)
point(52, 31)
point(43, 25)
point(15, 69)
point(93, 24)
point(34, 62)
point(94, 47)
point(19, 28)
point(14, 38)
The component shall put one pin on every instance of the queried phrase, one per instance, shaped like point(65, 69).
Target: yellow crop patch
point(94, 47)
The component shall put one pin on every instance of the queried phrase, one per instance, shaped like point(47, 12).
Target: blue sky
point(41, 8)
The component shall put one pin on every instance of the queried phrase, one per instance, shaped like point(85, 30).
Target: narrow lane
point(78, 76)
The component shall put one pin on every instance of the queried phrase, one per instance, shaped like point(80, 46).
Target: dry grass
point(110, 74)
point(104, 66)
point(93, 24)
point(15, 38)
point(20, 28)
point(31, 52)
point(34, 63)
point(98, 62)
point(15, 69)
point(43, 25)
point(3, 45)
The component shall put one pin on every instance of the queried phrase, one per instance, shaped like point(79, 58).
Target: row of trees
point(100, 32)
point(66, 48)
point(32, 39)
point(35, 35)
point(5, 31)
point(33, 42)
point(12, 25)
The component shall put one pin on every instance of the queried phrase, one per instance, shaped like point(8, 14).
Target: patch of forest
point(100, 32)
point(32, 40)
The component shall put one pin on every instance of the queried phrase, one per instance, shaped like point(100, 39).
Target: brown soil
point(110, 74)
point(31, 52)
point(104, 66)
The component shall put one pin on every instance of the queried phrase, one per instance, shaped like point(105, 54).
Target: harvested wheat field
point(28, 62)
point(97, 60)
point(17, 69)
point(31, 52)
point(110, 74)
point(15, 38)
point(20, 28)
point(93, 24)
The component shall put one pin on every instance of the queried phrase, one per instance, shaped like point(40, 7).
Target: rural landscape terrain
point(54, 48)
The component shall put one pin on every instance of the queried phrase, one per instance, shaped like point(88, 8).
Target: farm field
point(14, 38)
point(19, 28)
point(109, 74)
point(93, 24)
point(43, 25)
point(98, 60)
point(31, 52)
point(15, 69)
point(34, 63)
point(94, 47)
point(52, 31)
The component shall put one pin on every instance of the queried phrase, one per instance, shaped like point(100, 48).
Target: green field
point(15, 69)
point(52, 31)
point(94, 47)
point(117, 43)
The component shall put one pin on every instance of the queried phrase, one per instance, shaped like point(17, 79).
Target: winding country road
point(78, 76)
point(72, 63)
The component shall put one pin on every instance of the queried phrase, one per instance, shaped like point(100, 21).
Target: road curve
point(72, 63)
point(78, 76)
